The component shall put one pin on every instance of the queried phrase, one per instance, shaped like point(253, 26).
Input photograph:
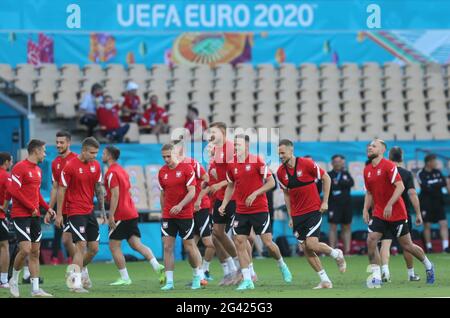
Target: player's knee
point(34, 253)
point(93, 249)
point(310, 244)
point(168, 248)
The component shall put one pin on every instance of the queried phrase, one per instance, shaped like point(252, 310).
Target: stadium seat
point(136, 174)
point(25, 77)
point(133, 133)
point(6, 72)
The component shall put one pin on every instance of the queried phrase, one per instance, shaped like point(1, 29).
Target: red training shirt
point(199, 173)
point(80, 178)
point(5, 183)
point(379, 181)
point(116, 176)
point(174, 183)
point(58, 165)
point(304, 199)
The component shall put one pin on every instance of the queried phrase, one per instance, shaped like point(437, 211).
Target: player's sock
point(231, 264)
point(154, 263)
point(281, 262)
point(198, 272)
point(15, 275)
point(385, 270)
point(34, 283)
point(252, 270)
point(124, 274)
point(334, 253)
point(205, 266)
point(236, 262)
point(26, 272)
point(246, 273)
point(411, 272)
point(323, 276)
point(429, 246)
point(427, 263)
point(3, 278)
point(225, 268)
point(169, 276)
point(444, 244)
point(85, 271)
point(77, 280)
point(376, 271)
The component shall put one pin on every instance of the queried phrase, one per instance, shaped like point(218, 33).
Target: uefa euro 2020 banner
point(212, 32)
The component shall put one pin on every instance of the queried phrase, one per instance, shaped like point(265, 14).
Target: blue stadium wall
point(14, 130)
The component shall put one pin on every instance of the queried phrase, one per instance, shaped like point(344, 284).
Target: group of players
point(196, 204)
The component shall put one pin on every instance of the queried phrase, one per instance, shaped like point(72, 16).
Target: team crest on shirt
point(178, 174)
point(165, 176)
point(82, 229)
point(92, 169)
point(58, 166)
point(39, 174)
point(27, 229)
point(369, 174)
point(299, 173)
point(379, 172)
point(165, 225)
point(80, 170)
point(248, 168)
point(30, 174)
point(235, 170)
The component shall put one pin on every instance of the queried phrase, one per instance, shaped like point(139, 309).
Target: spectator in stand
point(192, 126)
point(155, 118)
point(88, 108)
point(108, 118)
point(131, 106)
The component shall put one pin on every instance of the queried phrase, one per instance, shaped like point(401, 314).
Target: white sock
point(427, 263)
point(410, 272)
point(154, 263)
point(26, 272)
point(376, 271)
point(281, 262)
point(236, 262)
point(385, 270)
point(323, 276)
point(169, 276)
point(252, 270)
point(205, 266)
point(444, 244)
point(85, 271)
point(124, 273)
point(246, 273)
point(15, 275)
point(198, 272)
point(3, 278)
point(34, 283)
point(334, 253)
point(231, 265)
point(429, 245)
point(77, 280)
point(225, 268)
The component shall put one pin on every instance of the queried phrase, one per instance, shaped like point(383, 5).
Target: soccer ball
point(70, 277)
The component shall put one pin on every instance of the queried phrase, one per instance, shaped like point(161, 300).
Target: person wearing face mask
point(88, 108)
point(131, 106)
point(155, 118)
point(108, 118)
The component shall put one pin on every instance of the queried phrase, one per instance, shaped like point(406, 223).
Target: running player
point(249, 178)
point(223, 153)
point(177, 182)
point(123, 217)
point(297, 177)
point(63, 141)
point(409, 197)
point(80, 178)
point(5, 180)
point(202, 221)
point(384, 188)
point(27, 199)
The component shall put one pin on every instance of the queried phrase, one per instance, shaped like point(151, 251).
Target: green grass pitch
point(270, 284)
